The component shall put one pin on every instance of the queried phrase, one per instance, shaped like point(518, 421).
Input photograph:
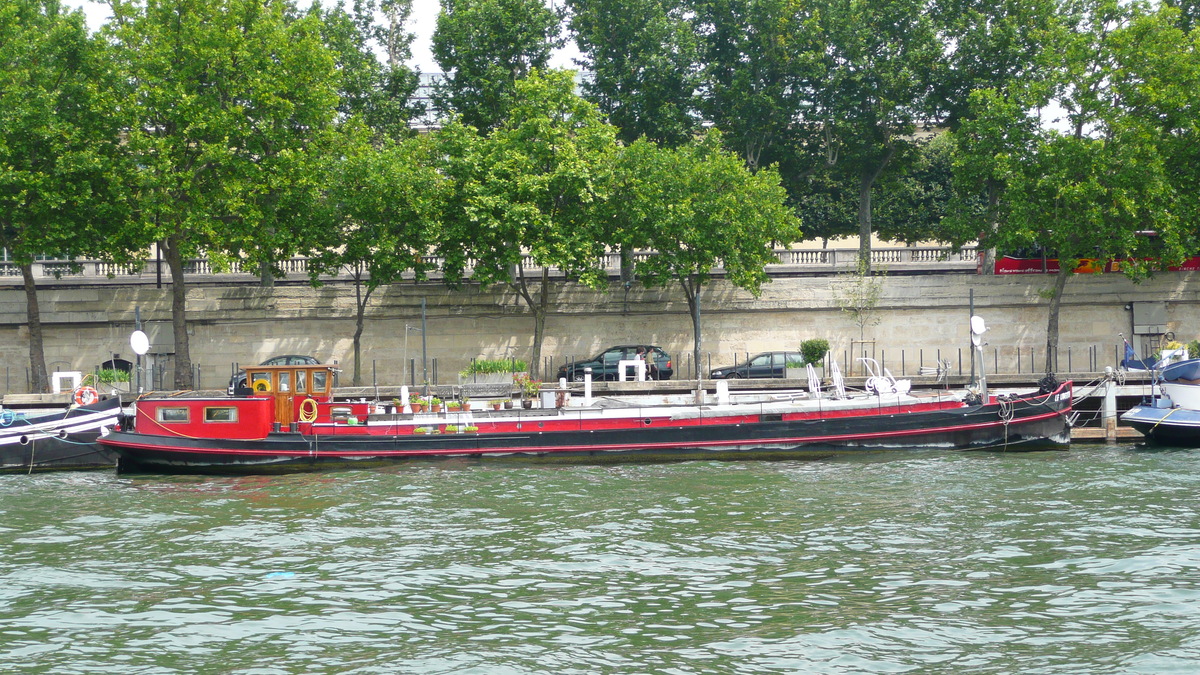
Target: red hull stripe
point(250, 452)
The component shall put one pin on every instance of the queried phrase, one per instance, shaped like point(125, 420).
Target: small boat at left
point(61, 440)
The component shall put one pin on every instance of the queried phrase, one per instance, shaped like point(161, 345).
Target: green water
point(1085, 561)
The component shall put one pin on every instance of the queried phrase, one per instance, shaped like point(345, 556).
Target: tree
point(61, 190)
point(765, 68)
point(642, 56)
point(699, 207)
point(525, 192)
point(384, 205)
point(913, 204)
point(1095, 189)
point(878, 91)
point(484, 47)
point(234, 100)
point(380, 94)
point(859, 296)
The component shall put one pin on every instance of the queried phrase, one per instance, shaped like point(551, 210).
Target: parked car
point(239, 378)
point(604, 365)
point(767, 364)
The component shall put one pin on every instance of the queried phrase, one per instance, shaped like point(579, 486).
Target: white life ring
point(86, 396)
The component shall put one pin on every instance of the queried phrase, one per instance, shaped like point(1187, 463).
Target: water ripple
point(1079, 562)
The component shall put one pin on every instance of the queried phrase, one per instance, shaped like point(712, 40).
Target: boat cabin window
point(260, 381)
point(320, 381)
point(222, 414)
point(301, 382)
point(172, 414)
point(285, 381)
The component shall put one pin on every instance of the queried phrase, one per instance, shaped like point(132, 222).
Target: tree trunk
point(692, 292)
point(539, 308)
point(360, 308)
point(988, 261)
point(866, 182)
point(1052, 323)
point(183, 357)
point(266, 278)
point(864, 224)
point(38, 380)
point(539, 325)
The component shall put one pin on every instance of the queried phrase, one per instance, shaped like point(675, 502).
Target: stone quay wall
point(920, 317)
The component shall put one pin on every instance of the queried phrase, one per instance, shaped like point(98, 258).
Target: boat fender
point(86, 396)
point(262, 386)
point(308, 410)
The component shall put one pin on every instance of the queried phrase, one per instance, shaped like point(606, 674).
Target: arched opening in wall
point(117, 364)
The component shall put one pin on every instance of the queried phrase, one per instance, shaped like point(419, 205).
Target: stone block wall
point(918, 314)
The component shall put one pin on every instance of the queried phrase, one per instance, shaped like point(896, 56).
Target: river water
point(1085, 561)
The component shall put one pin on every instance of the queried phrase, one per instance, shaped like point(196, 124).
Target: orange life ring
point(308, 413)
point(86, 396)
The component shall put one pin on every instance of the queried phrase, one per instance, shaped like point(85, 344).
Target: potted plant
point(415, 402)
point(496, 404)
point(529, 389)
point(435, 404)
point(813, 351)
point(470, 428)
point(466, 404)
point(453, 406)
point(451, 428)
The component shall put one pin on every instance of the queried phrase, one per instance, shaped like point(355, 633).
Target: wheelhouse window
point(285, 381)
point(320, 381)
point(264, 378)
point(172, 415)
point(301, 382)
point(223, 414)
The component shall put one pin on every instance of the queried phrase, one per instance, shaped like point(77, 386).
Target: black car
point(239, 378)
point(604, 365)
point(767, 364)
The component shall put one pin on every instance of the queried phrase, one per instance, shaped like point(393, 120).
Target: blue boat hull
point(1166, 426)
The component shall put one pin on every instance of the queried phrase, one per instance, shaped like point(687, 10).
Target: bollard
point(1109, 411)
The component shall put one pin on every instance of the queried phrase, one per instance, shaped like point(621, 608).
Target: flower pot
point(508, 405)
point(466, 407)
point(416, 407)
point(527, 404)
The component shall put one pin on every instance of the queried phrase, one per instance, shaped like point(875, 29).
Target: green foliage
point(697, 206)
point(231, 104)
point(642, 56)
point(488, 366)
point(813, 350)
point(485, 47)
point(527, 191)
point(378, 93)
point(63, 175)
point(110, 375)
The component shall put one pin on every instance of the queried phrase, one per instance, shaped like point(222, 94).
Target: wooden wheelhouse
point(289, 386)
